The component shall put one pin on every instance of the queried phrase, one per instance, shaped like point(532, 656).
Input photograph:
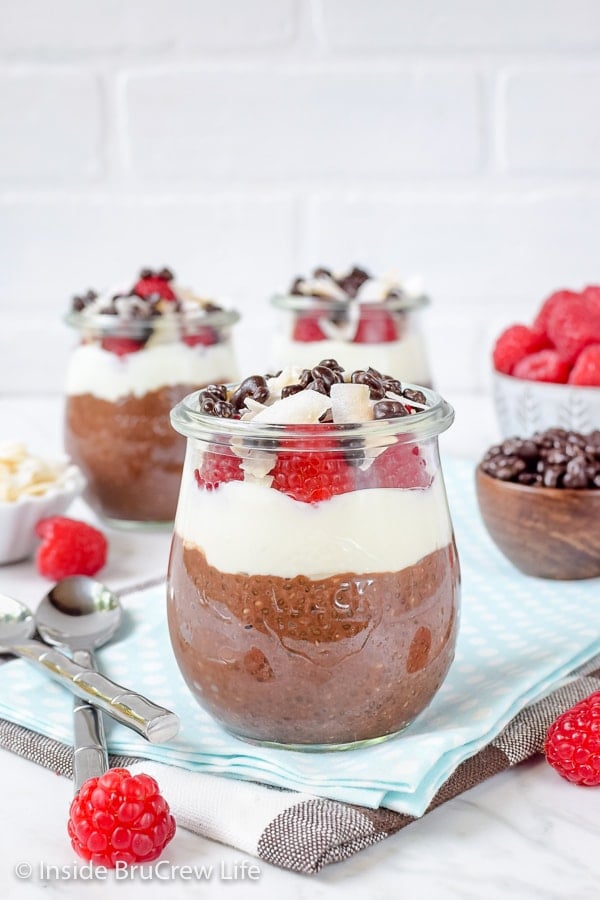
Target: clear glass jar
point(123, 378)
point(313, 625)
point(386, 335)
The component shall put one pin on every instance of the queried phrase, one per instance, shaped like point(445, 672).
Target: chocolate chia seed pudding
point(132, 457)
point(343, 659)
point(142, 349)
point(313, 580)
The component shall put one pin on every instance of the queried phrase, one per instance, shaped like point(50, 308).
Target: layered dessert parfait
point(313, 579)
point(354, 317)
point(142, 347)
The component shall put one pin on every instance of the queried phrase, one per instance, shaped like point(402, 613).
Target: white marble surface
point(524, 834)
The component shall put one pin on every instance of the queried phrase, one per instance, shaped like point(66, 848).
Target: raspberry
point(120, 818)
point(307, 328)
point(400, 466)
point(546, 365)
point(592, 296)
point(513, 345)
point(375, 326)
point(586, 370)
point(69, 547)
point(312, 476)
point(204, 335)
point(216, 469)
point(153, 285)
point(572, 744)
point(573, 326)
point(558, 300)
point(121, 345)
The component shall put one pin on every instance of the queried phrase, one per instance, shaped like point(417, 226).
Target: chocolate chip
point(414, 396)
point(224, 409)
point(290, 389)
point(254, 386)
point(317, 384)
point(389, 409)
point(353, 281)
point(332, 364)
point(551, 476)
point(553, 458)
point(327, 375)
point(372, 379)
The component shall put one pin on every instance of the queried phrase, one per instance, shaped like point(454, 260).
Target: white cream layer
point(405, 359)
point(103, 374)
point(248, 528)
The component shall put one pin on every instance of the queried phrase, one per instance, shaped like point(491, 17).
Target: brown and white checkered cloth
point(302, 832)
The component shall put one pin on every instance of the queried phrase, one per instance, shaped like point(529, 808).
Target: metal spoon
point(82, 614)
point(153, 722)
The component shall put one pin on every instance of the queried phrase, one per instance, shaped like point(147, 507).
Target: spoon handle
point(153, 722)
point(90, 757)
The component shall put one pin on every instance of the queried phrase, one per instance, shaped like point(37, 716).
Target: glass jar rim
point(107, 323)
point(187, 419)
point(310, 303)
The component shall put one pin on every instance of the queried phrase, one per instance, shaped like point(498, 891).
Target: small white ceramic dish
point(18, 518)
point(524, 407)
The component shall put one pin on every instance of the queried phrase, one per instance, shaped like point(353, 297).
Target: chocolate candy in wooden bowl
point(540, 502)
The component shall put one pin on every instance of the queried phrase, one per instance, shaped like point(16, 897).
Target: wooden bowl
point(546, 532)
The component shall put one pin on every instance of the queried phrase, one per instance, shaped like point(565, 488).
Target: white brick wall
point(243, 141)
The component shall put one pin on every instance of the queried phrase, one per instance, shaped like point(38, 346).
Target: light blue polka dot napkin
point(518, 637)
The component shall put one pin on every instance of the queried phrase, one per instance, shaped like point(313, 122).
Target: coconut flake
point(288, 375)
point(322, 287)
point(252, 408)
point(351, 403)
point(303, 408)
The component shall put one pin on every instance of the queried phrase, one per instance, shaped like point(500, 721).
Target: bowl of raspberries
point(547, 374)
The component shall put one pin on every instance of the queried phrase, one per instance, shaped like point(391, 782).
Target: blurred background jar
point(355, 318)
point(140, 349)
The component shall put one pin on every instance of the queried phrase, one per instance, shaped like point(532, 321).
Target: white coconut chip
point(257, 464)
point(322, 287)
point(252, 408)
point(303, 408)
point(288, 375)
point(346, 330)
point(351, 403)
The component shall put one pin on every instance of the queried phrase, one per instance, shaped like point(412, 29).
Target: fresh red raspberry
point(312, 476)
point(513, 345)
point(121, 345)
point(586, 370)
point(592, 296)
point(402, 465)
point(154, 285)
point(558, 300)
point(573, 326)
point(375, 326)
point(120, 818)
point(216, 469)
point(307, 328)
point(546, 365)
point(204, 335)
point(69, 547)
point(573, 742)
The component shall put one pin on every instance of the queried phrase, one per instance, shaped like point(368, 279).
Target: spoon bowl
point(79, 613)
point(16, 622)
point(17, 625)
